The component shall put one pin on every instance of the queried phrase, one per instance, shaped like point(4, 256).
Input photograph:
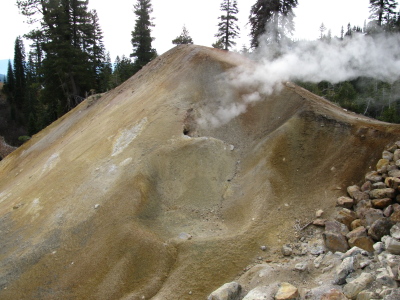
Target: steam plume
point(335, 61)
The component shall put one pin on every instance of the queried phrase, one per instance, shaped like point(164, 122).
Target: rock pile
point(369, 210)
point(360, 255)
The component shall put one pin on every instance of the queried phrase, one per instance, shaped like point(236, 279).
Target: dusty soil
point(100, 204)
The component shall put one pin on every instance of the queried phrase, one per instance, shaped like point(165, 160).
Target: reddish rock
point(363, 242)
point(381, 203)
point(335, 241)
point(345, 202)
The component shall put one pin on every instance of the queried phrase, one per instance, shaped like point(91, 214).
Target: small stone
point(355, 224)
point(381, 203)
point(263, 248)
point(392, 245)
point(333, 294)
point(346, 216)
point(382, 193)
point(395, 231)
point(370, 215)
point(345, 202)
point(380, 228)
point(395, 216)
point(319, 213)
point(379, 185)
point(301, 267)
point(373, 176)
point(96, 206)
point(335, 242)
point(286, 250)
point(353, 288)
point(319, 222)
point(384, 278)
point(366, 187)
point(387, 155)
point(379, 247)
point(358, 196)
point(359, 231)
point(365, 295)
point(363, 242)
point(335, 226)
point(394, 173)
point(392, 182)
point(396, 154)
point(229, 291)
point(344, 269)
point(286, 292)
point(382, 164)
point(387, 212)
point(351, 189)
point(185, 236)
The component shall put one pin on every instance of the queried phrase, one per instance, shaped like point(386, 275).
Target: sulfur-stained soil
point(128, 197)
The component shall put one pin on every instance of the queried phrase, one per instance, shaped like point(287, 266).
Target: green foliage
point(273, 19)
point(184, 38)
point(228, 29)
point(141, 35)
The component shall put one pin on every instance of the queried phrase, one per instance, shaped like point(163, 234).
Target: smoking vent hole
point(186, 131)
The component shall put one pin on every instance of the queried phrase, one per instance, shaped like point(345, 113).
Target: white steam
point(335, 61)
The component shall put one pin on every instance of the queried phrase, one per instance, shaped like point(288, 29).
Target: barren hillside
point(128, 197)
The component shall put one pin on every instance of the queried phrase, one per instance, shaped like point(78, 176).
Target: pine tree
point(228, 29)
point(184, 38)
point(19, 73)
point(141, 35)
point(9, 87)
point(382, 11)
point(273, 18)
point(66, 51)
point(322, 29)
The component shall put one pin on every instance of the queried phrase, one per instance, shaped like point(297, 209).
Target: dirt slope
point(95, 206)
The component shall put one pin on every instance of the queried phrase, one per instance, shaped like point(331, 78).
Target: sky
point(200, 18)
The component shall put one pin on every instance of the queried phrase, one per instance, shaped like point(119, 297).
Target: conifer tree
point(19, 73)
point(141, 35)
point(184, 38)
point(228, 29)
point(382, 11)
point(273, 18)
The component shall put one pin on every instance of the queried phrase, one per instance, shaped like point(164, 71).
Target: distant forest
point(66, 60)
